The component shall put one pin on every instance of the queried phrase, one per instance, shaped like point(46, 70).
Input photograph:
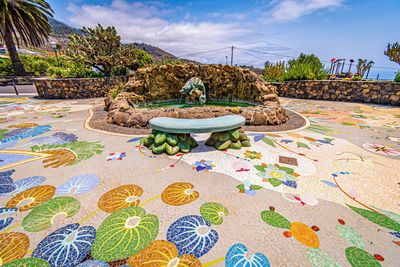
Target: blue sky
point(328, 28)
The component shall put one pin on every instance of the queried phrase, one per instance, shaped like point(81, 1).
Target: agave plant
point(26, 22)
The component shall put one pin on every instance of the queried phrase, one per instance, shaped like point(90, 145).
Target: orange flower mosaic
point(13, 246)
point(58, 157)
point(120, 197)
point(24, 125)
point(32, 197)
point(304, 234)
point(162, 253)
point(178, 194)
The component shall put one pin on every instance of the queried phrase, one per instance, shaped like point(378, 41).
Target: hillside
point(155, 52)
point(60, 29)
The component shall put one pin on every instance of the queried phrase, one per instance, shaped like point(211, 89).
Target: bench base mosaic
point(234, 139)
point(159, 142)
point(171, 143)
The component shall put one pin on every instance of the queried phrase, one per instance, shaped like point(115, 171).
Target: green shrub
point(119, 71)
point(397, 78)
point(305, 67)
point(166, 61)
point(72, 71)
point(6, 68)
point(356, 78)
point(142, 59)
point(39, 67)
point(274, 72)
point(119, 88)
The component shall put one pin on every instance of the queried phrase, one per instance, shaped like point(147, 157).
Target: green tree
point(363, 66)
point(393, 52)
point(26, 22)
point(305, 67)
point(101, 49)
point(274, 72)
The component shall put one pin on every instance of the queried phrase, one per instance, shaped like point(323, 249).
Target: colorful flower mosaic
point(66, 246)
point(379, 149)
point(185, 234)
point(141, 213)
point(277, 175)
point(121, 197)
point(178, 194)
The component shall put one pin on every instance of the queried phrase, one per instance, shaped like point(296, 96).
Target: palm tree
point(23, 21)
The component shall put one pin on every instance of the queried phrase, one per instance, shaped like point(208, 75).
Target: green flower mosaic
point(213, 212)
point(124, 233)
point(377, 218)
point(275, 219)
point(351, 235)
point(42, 216)
point(29, 262)
point(360, 258)
point(319, 258)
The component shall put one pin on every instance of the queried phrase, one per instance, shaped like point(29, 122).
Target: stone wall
point(222, 82)
point(74, 88)
point(164, 82)
point(377, 92)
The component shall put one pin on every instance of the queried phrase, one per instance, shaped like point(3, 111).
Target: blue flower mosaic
point(93, 263)
point(277, 175)
point(396, 234)
point(58, 138)
point(133, 140)
point(66, 137)
point(79, 185)
point(66, 246)
point(6, 182)
point(4, 222)
point(7, 145)
point(202, 165)
point(27, 183)
point(192, 235)
point(236, 257)
point(22, 133)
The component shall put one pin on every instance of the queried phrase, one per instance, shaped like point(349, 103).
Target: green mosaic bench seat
point(185, 126)
point(172, 135)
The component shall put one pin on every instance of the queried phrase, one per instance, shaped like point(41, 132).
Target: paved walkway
point(22, 90)
point(328, 195)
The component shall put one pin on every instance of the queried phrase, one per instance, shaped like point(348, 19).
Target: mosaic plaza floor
point(325, 195)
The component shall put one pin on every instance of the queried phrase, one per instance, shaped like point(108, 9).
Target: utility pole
point(226, 60)
point(232, 55)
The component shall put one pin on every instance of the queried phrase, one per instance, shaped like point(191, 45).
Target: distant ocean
point(384, 74)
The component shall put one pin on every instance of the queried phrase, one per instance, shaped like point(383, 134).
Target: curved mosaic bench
point(172, 135)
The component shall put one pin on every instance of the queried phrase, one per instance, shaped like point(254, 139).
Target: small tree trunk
point(107, 71)
point(19, 69)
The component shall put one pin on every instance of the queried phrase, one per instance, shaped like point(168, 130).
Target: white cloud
point(146, 22)
point(289, 10)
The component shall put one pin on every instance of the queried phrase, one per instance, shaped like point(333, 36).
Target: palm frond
point(26, 20)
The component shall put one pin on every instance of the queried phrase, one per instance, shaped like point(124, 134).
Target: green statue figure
point(194, 91)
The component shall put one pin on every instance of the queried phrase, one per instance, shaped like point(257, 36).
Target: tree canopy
point(101, 48)
point(26, 22)
point(393, 52)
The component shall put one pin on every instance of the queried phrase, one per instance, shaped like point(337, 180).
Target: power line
point(267, 53)
point(325, 61)
point(244, 50)
point(249, 54)
point(204, 52)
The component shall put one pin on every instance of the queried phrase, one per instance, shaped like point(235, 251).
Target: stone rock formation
point(222, 82)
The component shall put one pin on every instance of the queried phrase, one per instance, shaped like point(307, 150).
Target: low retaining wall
point(378, 92)
point(74, 88)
